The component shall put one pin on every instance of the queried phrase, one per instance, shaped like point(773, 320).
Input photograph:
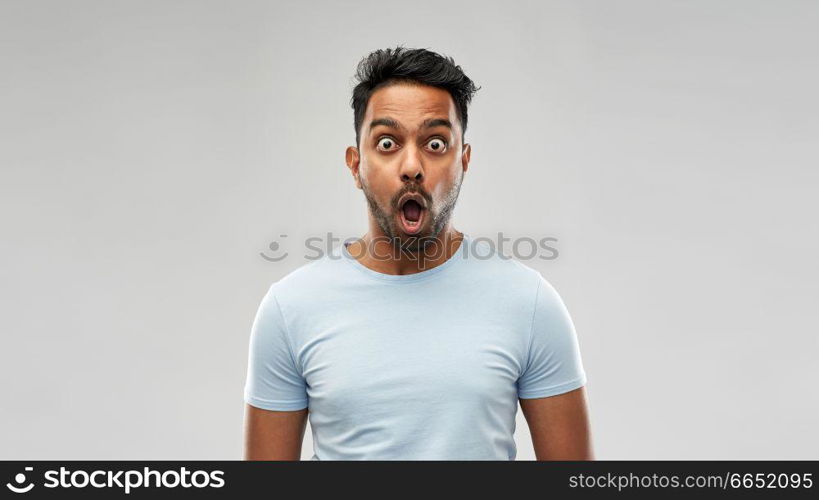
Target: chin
point(417, 242)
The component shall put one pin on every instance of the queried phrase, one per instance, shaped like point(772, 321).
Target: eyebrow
point(428, 123)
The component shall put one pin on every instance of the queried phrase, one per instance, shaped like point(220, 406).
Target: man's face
point(410, 162)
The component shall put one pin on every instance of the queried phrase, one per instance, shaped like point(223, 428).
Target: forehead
point(411, 104)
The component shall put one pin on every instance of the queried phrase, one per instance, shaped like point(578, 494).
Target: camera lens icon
point(20, 478)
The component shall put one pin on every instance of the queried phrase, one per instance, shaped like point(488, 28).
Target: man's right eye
point(386, 144)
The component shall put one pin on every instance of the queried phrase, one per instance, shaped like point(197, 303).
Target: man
point(417, 344)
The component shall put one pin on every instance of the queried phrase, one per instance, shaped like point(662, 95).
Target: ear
point(352, 158)
point(465, 155)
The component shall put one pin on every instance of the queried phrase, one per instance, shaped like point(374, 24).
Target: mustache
point(413, 189)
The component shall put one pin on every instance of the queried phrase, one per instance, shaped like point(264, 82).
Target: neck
point(375, 251)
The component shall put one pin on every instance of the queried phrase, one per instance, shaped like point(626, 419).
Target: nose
point(412, 169)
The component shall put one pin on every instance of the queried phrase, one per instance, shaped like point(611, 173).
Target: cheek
point(371, 174)
point(379, 183)
point(443, 181)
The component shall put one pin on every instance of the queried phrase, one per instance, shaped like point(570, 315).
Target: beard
point(438, 216)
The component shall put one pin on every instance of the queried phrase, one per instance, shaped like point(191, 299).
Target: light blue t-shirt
point(425, 366)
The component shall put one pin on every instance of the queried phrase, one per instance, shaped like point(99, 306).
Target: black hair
point(388, 66)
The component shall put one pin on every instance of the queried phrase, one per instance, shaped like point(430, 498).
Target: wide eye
point(385, 144)
point(437, 145)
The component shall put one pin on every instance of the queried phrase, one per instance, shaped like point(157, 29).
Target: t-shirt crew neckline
point(454, 259)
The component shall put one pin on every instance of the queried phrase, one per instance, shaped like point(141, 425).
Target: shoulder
point(506, 274)
point(306, 281)
point(512, 278)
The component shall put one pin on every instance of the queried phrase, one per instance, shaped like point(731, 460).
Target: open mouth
point(412, 215)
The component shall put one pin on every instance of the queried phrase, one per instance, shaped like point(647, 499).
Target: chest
point(369, 365)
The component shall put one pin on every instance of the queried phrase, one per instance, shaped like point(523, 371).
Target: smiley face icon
point(20, 478)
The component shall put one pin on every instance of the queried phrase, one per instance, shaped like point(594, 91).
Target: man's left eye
point(437, 145)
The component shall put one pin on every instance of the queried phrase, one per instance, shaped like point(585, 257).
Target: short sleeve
point(553, 363)
point(273, 380)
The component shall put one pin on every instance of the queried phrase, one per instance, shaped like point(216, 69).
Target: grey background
point(151, 150)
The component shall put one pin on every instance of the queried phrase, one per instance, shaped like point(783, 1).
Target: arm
point(275, 395)
point(551, 387)
point(273, 435)
point(559, 426)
